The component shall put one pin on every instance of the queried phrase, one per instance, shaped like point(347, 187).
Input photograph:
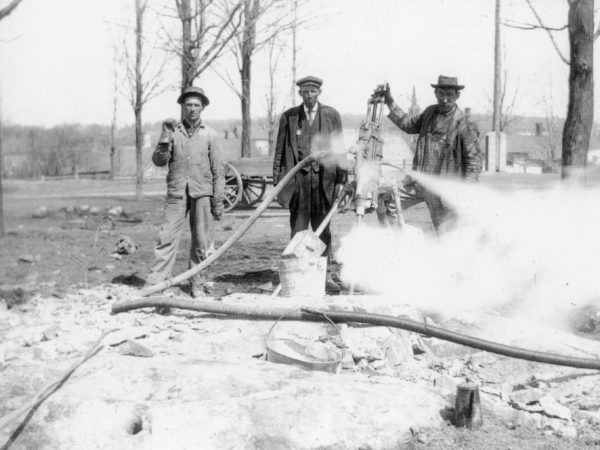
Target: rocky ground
point(194, 380)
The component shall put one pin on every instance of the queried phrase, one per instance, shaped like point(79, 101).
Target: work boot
point(197, 291)
point(331, 287)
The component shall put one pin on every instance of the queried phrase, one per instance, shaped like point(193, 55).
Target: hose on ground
point(237, 234)
point(313, 315)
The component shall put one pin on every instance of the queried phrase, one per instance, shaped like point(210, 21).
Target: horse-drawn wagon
point(246, 181)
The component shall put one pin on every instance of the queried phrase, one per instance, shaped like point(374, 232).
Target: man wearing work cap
point(447, 145)
point(303, 129)
point(195, 186)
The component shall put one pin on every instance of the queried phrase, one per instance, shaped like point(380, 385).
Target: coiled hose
point(313, 315)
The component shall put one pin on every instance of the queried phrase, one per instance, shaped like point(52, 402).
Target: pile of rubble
point(165, 376)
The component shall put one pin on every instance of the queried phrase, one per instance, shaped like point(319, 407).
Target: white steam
point(537, 252)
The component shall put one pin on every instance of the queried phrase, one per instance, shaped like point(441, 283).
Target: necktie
point(310, 116)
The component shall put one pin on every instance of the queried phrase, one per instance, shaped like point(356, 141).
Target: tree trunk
point(580, 113)
point(139, 91)
point(113, 127)
point(246, 117)
point(1, 188)
point(187, 56)
point(271, 123)
point(33, 155)
point(251, 10)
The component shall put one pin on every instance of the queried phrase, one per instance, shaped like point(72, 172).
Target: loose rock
point(526, 396)
point(115, 211)
point(27, 258)
point(132, 348)
point(40, 213)
point(50, 333)
point(126, 246)
point(554, 409)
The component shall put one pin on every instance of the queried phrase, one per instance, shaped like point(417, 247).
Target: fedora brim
point(455, 86)
point(203, 98)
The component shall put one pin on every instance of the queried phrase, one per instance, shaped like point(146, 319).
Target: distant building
point(529, 153)
point(414, 106)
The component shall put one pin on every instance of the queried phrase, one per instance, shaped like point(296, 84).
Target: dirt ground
point(69, 250)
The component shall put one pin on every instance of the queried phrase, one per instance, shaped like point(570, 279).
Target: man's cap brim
point(453, 86)
point(203, 98)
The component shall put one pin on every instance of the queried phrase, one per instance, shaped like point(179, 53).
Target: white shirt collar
point(314, 110)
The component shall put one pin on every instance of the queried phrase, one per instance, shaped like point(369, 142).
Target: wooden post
point(497, 88)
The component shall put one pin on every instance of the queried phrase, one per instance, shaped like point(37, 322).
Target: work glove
point(216, 209)
point(337, 190)
point(168, 128)
point(410, 186)
point(384, 91)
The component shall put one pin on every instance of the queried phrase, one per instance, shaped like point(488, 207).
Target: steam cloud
point(537, 252)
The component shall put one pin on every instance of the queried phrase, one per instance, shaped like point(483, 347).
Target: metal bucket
point(302, 277)
point(467, 408)
point(289, 351)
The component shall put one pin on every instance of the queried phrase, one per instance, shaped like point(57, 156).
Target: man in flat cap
point(447, 145)
point(303, 129)
point(195, 186)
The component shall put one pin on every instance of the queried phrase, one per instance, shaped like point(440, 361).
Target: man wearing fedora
point(195, 186)
point(447, 145)
point(304, 129)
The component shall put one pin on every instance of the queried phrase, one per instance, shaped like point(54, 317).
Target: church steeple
point(414, 106)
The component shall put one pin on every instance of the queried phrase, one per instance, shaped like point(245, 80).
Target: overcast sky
point(56, 58)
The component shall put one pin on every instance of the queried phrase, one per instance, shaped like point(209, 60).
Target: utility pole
point(497, 88)
point(294, 51)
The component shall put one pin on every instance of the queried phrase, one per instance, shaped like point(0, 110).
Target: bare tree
point(294, 49)
point(113, 123)
point(506, 105)
point(552, 125)
point(1, 175)
point(580, 112)
point(145, 82)
point(4, 12)
point(262, 21)
point(271, 97)
point(207, 27)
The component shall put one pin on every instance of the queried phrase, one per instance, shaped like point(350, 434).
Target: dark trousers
point(309, 206)
point(442, 215)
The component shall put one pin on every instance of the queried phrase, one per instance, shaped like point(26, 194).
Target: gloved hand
point(387, 94)
point(216, 209)
point(337, 190)
point(168, 128)
point(383, 90)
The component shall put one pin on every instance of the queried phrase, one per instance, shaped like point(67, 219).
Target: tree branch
point(529, 26)
point(550, 35)
point(4, 12)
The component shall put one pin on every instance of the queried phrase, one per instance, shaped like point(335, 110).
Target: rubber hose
point(312, 315)
point(235, 236)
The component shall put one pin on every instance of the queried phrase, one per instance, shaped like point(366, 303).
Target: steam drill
point(371, 190)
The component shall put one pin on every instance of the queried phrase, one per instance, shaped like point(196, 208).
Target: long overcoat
point(286, 150)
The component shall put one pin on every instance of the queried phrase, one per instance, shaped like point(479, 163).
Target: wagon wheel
point(254, 189)
point(233, 187)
